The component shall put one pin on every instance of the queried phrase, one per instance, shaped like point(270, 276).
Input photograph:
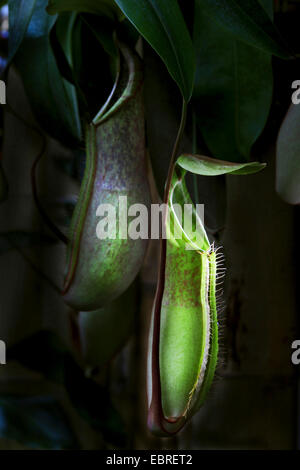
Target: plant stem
point(194, 149)
point(175, 150)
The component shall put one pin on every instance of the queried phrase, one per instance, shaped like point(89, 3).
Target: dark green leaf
point(163, 26)
point(64, 63)
point(52, 98)
point(35, 422)
point(233, 89)
point(20, 13)
point(41, 23)
point(248, 21)
point(64, 29)
point(288, 157)
point(206, 166)
point(195, 236)
point(96, 7)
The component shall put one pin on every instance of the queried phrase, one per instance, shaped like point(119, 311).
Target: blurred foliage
point(44, 352)
point(107, 8)
point(164, 28)
point(232, 45)
point(233, 88)
point(52, 98)
point(248, 21)
point(36, 422)
point(20, 14)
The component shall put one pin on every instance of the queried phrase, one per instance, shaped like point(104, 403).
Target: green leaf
point(36, 422)
point(65, 26)
point(233, 89)
point(40, 23)
point(288, 157)
point(20, 13)
point(96, 7)
point(202, 165)
point(163, 26)
point(194, 235)
point(52, 98)
point(249, 21)
point(64, 29)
